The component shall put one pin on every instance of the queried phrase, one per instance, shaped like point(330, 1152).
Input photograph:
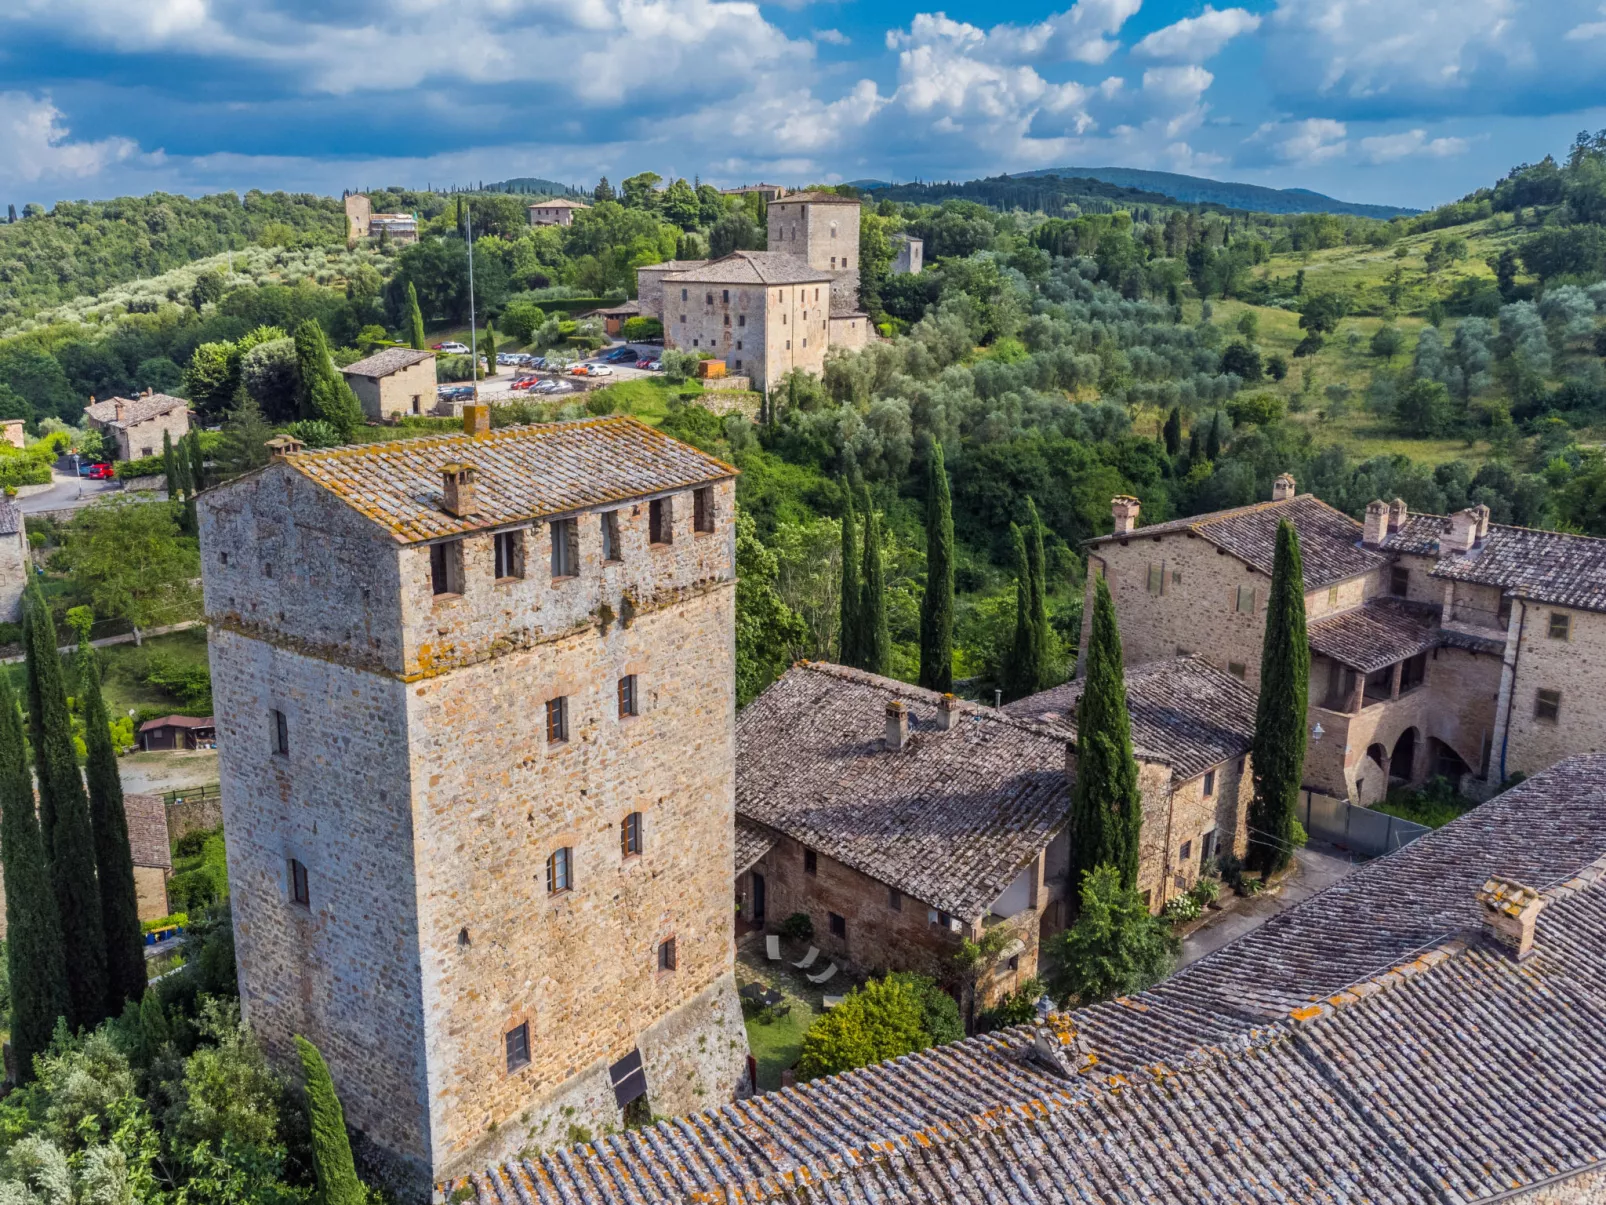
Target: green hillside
point(1199, 190)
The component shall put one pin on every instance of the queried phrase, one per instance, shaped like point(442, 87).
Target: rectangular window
point(565, 547)
point(1561, 625)
point(788, 345)
point(518, 1047)
point(839, 925)
point(557, 720)
point(1547, 705)
point(727, 319)
point(702, 508)
point(683, 298)
point(612, 550)
point(1399, 580)
point(418, 403)
point(630, 835)
point(509, 555)
point(741, 319)
point(1156, 578)
point(279, 732)
point(894, 899)
point(1245, 602)
point(1243, 764)
point(1236, 669)
point(683, 320)
point(560, 871)
point(661, 521)
point(725, 296)
point(1332, 596)
point(1186, 851)
point(446, 567)
point(811, 862)
point(708, 298)
point(299, 892)
point(627, 696)
point(1209, 783)
point(1176, 577)
point(666, 954)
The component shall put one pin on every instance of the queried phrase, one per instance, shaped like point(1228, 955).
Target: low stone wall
point(28, 491)
point(193, 813)
point(730, 401)
point(152, 483)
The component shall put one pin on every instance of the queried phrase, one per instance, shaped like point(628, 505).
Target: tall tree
point(192, 444)
point(1277, 753)
point(1017, 682)
point(1106, 806)
point(848, 633)
point(114, 859)
point(937, 604)
point(34, 961)
point(490, 348)
point(169, 467)
point(1116, 948)
point(874, 634)
point(1173, 431)
point(64, 811)
point(415, 320)
point(332, 1164)
point(324, 392)
point(1043, 640)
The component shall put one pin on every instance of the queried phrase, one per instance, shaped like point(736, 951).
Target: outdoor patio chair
point(772, 947)
point(808, 959)
point(832, 1001)
point(816, 980)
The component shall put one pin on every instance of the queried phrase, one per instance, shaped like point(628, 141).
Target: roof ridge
point(864, 677)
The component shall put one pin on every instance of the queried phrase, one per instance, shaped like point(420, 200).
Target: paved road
point(66, 492)
point(1320, 866)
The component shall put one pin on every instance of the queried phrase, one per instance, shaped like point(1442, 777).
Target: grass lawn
point(1435, 805)
point(124, 687)
point(776, 1046)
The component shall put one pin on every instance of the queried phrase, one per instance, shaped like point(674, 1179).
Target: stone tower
point(821, 227)
point(475, 710)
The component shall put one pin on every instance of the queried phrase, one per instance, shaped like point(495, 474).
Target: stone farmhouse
point(1439, 645)
point(1426, 1031)
point(16, 561)
point(135, 426)
point(903, 821)
point(766, 192)
point(362, 222)
point(394, 381)
point(475, 719)
point(557, 212)
point(909, 254)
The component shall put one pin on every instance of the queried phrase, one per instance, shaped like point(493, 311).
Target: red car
point(100, 472)
point(525, 382)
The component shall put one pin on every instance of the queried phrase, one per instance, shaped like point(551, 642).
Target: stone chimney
point(948, 712)
point(283, 445)
point(1482, 512)
point(1460, 532)
point(1510, 912)
point(476, 419)
point(1397, 514)
point(457, 490)
point(1377, 522)
point(120, 408)
point(1283, 488)
point(897, 724)
point(1125, 511)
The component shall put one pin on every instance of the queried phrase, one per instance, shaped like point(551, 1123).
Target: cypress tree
point(1017, 674)
point(875, 638)
point(331, 1146)
point(114, 860)
point(169, 468)
point(192, 442)
point(34, 958)
point(1106, 806)
point(848, 635)
point(937, 604)
point(324, 393)
point(1213, 438)
point(490, 349)
point(1042, 671)
point(71, 837)
point(1195, 445)
point(1173, 431)
point(415, 320)
point(1277, 753)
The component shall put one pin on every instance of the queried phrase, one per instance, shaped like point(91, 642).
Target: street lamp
point(473, 342)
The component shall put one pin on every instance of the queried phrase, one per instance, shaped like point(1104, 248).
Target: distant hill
point(534, 184)
point(1200, 191)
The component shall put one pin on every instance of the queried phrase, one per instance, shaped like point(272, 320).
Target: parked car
point(654, 365)
point(526, 382)
point(598, 370)
point(622, 355)
point(551, 386)
point(537, 361)
point(100, 472)
point(507, 357)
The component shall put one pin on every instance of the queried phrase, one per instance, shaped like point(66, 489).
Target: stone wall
point(1570, 666)
point(16, 564)
point(851, 332)
point(193, 813)
point(145, 439)
point(1586, 1187)
point(150, 892)
point(409, 390)
point(650, 289)
point(826, 234)
point(726, 319)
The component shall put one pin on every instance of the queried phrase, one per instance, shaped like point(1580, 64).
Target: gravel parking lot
point(499, 387)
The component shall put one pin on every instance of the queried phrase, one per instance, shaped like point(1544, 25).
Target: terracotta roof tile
point(135, 410)
point(383, 363)
point(522, 473)
point(1377, 634)
point(751, 268)
point(147, 830)
point(753, 841)
point(10, 518)
point(816, 198)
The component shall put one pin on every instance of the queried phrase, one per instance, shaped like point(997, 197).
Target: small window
point(1176, 577)
point(1209, 783)
point(509, 555)
point(894, 899)
point(565, 548)
point(727, 319)
point(702, 506)
point(683, 298)
point(683, 318)
point(557, 720)
point(560, 870)
point(1399, 580)
point(279, 731)
point(518, 1047)
point(446, 567)
point(1547, 705)
point(1156, 578)
point(741, 319)
point(1561, 625)
point(223, 558)
point(1014, 962)
point(811, 862)
point(1236, 669)
point(630, 835)
point(666, 954)
point(418, 403)
point(661, 521)
point(839, 925)
point(627, 696)
point(1245, 602)
point(612, 550)
point(788, 344)
point(1186, 851)
point(708, 298)
point(299, 892)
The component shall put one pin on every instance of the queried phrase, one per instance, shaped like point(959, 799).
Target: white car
point(455, 349)
point(507, 357)
point(598, 370)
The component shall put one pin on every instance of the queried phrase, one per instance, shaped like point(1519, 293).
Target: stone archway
point(1402, 762)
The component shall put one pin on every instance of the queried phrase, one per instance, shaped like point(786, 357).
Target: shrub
point(1261, 409)
point(1181, 908)
point(678, 365)
point(146, 466)
point(797, 927)
point(316, 433)
point(878, 1021)
point(639, 330)
point(939, 1012)
point(1206, 891)
point(1299, 836)
point(1231, 868)
point(176, 920)
point(1017, 1008)
point(1276, 367)
point(1116, 948)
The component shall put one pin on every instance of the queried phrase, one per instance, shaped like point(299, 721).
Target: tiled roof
point(10, 518)
point(1376, 634)
point(383, 363)
point(1329, 540)
point(558, 203)
point(751, 268)
point(673, 265)
point(135, 409)
point(521, 473)
point(949, 819)
point(816, 198)
point(1403, 1065)
point(753, 841)
point(1544, 566)
point(147, 830)
point(179, 721)
point(1185, 713)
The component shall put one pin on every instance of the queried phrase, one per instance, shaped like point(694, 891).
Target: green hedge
point(149, 466)
point(566, 305)
point(22, 470)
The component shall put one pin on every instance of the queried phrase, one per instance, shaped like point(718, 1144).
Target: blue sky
point(1411, 103)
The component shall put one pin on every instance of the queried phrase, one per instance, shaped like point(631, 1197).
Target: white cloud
point(834, 37)
point(1301, 143)
point(1387, 148)
point(35, 145)
point(1080, 34)
point(1589, 30)
point(1194, 39)
point(1179, 83)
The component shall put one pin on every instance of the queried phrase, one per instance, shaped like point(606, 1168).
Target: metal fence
point(1358, 829)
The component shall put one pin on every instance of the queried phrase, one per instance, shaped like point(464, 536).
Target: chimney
point(1510, 912)
point(1482, 512)
point(457, 490)
point(1283, 488)
point(948, 712)
point(283, 445)
point(1397, 514)
point(1125, 510)
point(476, 419)
point(1377, 522)
point(897, 724)
point(121, 409)
point(1460, 532)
